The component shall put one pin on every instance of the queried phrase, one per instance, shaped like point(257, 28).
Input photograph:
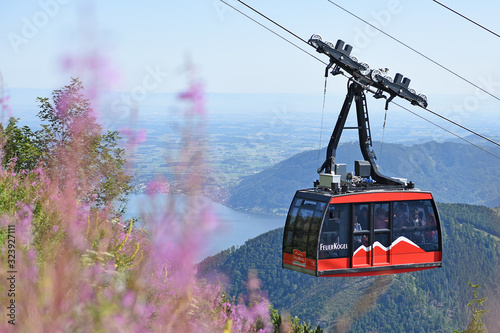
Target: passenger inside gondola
point(357, 227)
point(401, 216)
point(365, 241)
point(421, 218)
point(431, 235)
point(416, 222)
point(381, 221)
point(400, 221)
point(363, 217)
point(381, 224)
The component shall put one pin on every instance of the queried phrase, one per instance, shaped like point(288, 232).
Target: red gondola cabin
point(364, 233)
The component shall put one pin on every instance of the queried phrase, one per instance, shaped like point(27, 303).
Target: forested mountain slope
point(428, 301)
point(454, 172)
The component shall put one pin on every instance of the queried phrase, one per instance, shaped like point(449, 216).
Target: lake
point(234, 228)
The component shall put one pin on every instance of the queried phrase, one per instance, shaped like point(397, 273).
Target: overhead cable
point(444, 129)
point(275, 33)
point(290, 42)
point(434, 113)
point(414, 50)
point(465, 17)
point(465, 128)
point(267, 18)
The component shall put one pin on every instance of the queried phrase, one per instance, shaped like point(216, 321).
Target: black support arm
point(355, 92)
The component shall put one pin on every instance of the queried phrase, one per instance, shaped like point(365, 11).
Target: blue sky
point(150, 42)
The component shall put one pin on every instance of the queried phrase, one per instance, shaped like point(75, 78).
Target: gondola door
point(381, 248)
point(362, 236)
point(371, 235)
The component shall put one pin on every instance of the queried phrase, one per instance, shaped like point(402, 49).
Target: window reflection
point(381, 218)
point(302, 226)
point(416, 221)
point(335, 234)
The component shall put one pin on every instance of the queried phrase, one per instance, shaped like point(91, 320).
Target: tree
point(78, 156)
point(77, 150)
point(475, 324)
point(21, 146)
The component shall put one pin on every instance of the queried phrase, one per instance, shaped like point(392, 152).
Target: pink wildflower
point(32, 270)
point(128, 300)
point(24, 225)
point(209, 219)
point(63, 106)
point(195, 94)
point(141, 136)
point(133, 137)
point(157, 186)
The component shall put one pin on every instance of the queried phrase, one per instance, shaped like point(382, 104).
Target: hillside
point(428, 301)
point(454, 172)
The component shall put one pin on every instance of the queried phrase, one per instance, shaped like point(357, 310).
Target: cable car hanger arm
point(355, 93)
point(341, 59)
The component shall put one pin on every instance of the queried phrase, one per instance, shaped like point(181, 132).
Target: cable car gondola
point(361, 233)
point(364, 223)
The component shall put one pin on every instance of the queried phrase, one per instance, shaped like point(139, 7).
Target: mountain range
point(453, 172)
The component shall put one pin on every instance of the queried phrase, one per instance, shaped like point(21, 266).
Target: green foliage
point(429, 301)
point(20, 145)
point(68, 153)
point(291, 325)
point(68, 107)
point(481, 217)
point(81, 268)
point(22, 195)
point(71, 126)
point(110, 241)
point(72, 146)
point(32, 197)
point(475, 325)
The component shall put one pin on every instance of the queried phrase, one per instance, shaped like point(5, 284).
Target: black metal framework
point(340, 58)
point(363, 227)
point(355, 92)
point(362, 78)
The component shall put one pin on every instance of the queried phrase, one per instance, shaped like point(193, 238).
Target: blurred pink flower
point(195, 94)
point(24, 226)
point(133, 137)
point(157, 186)
point(39, 171)
point(96, 69)
point(128, 300)
point(209, 219)
point(63, 105)
point(163, 293)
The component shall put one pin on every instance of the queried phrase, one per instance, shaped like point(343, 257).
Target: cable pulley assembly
point(341, 59)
